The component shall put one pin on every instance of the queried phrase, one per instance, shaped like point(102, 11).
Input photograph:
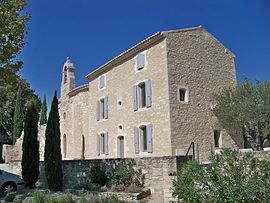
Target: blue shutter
point(148, 93)
point(98, 144)
point(149, 138)
point(140, 61)
point(97, 111)
point(101, 82)
point(106, 107)
point(135, 98)
point(106, 143)
point(136, 140)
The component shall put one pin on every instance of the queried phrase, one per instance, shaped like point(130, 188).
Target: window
point(143, 139)
point(65, 146)
point(65, 74)
point(217, 138)
point(102, 82)
point(102, 108)
point(102, 143)
point(183, 94)
point(140, 61)
point(83, 147)
point(142, 95)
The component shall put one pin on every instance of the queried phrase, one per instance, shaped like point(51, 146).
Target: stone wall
point(14, 152)
point(203, 66)
point(156, 173)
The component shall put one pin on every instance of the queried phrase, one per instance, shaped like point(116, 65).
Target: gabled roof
point(153, 39)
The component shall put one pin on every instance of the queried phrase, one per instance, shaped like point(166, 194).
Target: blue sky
point(92, 32)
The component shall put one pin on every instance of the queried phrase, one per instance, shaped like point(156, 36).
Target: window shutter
point(148, 93)
point(106, 107)
point(136, 140)
point(140, 61)
point(149, 138)
point(106, 143)
point(97, 111)
point(101, 82)
point(98, 144)
point(135, 98)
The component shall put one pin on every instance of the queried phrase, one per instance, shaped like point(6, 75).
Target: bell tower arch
point(68, 78)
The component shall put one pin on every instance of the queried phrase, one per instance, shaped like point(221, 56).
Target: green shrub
point(123, 174)
point(39, 197)
point(230, 177)
point(99, 173)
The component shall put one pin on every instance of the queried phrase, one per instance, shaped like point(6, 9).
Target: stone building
point(152, 100)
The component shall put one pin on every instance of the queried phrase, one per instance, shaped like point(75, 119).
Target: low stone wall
point(156, 173)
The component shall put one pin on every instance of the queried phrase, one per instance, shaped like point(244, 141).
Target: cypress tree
point(53, 157)
point(30, 147)
point(18, 117)
point(43, 113)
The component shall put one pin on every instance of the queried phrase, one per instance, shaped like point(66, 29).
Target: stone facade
point(198, 62)
point(14, 152)
point(191, 59)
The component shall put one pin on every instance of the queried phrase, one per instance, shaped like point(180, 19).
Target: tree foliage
point(8, 94)
point(231, 177)
point(12, 35)
point(246, 109)
point(43, 113)
point(53, 157)
point(18, 117)
point(30, 147)
point(12, 40)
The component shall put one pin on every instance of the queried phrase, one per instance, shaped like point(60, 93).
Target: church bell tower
point(68, 78)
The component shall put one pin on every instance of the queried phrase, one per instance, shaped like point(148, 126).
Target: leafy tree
point(18, 117)
point(12, 40)
point(53, 157)
point(8, 102)
point(30, 147)
point(230, 177)
point(12, 35)
point(246, 109)
point(43, 114)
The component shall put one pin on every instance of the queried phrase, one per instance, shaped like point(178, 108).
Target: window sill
point(184, 102)
point(144, 153)
point(143, 109)
point(103, 119)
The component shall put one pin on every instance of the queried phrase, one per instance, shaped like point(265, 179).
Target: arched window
point(83, 147)
point(65, 146)
point(65, 74)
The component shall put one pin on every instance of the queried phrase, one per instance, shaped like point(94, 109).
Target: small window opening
point(183, 95)
point(102, 108)
point(64, 115)
point(217, 138)
point(65, 146)
point(119, 103)
point(120, 127)
point(142, 95)
point(65, 74)
point(102, 143)
point(143, 138)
